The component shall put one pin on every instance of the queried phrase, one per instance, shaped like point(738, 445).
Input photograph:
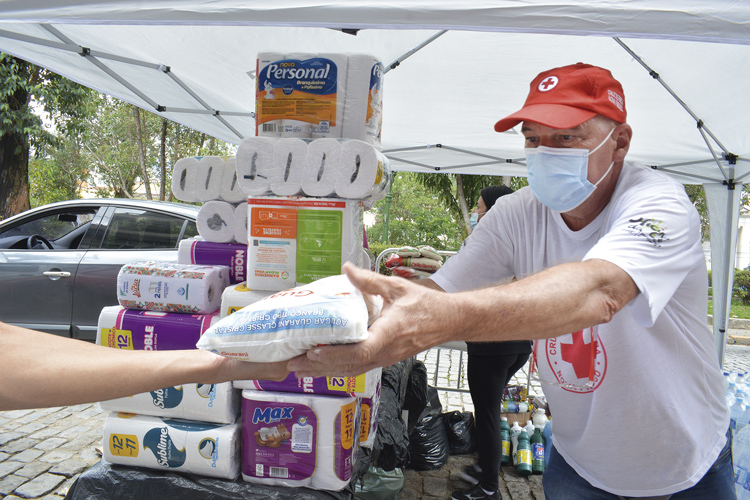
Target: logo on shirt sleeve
point(653, 230)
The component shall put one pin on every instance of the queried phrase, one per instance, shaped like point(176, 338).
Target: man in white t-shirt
point(611, 279)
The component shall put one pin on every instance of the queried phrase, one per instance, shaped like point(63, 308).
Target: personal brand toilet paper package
point(238, 296)
point(172, 444)
point(289, 323)
point(299, 240)
point(216, 403)
point(232, 255)
point(297, 440)
point(363, 113)
point(138, 330)
point(364, 385)
point(171, 287)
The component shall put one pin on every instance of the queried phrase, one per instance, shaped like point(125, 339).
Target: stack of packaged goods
point(414, 262)
point(189, 428)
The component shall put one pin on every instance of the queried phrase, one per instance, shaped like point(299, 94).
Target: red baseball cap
point(568, 96)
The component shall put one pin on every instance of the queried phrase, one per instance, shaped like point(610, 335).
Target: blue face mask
point(559, 176)
point(474, 220)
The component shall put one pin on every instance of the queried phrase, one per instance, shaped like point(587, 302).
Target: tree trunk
point(462, 203)
point(14, 175)
point(163, 160)
point(141, 151)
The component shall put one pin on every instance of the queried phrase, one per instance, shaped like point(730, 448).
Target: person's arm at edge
point(43, 370)
point(559, 300)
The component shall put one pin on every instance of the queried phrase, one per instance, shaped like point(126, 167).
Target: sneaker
point(475, 493)
point(471, 474)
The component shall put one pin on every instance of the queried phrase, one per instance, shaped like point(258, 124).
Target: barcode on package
point(281, 472)
point(269, 127)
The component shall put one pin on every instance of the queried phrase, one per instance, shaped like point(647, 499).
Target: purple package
point(364, 385)
point(233, 255)
point(279, 439)
point(150, 330)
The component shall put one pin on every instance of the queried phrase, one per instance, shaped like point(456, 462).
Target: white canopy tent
point(684, 65)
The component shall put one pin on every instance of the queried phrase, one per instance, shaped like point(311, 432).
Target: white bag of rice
point(289, 323)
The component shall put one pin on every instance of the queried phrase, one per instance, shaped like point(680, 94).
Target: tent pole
point(387, 215)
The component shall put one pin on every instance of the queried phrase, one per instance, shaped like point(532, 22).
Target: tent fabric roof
point(193, 61)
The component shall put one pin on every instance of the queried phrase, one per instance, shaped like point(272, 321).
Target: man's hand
point(414, 318)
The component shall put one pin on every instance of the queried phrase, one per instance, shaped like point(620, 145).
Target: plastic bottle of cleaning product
point(529, 428)
point(539, 418)
point(514, 432)
point(735, 412)
point(537, 451)
point(741, 459)
point(505, 439)
point(523, 455)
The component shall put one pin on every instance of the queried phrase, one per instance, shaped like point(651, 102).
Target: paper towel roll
point(175, 445)
point(232, 255)
point(209, 176)
point(279, 439)
point(150, 330)
point(365, 172)
point(322, 166)
point(267, 118)
point(272, 243)
point(236, 297)
point(338, 441)
point(184, 179)
point(171, 287)
point(363, 98)
point(216, 403)
point(231, 192)
point(216, 222)
point(253, 161)
point(240, 223)
point(364, 385)
point(285, 178)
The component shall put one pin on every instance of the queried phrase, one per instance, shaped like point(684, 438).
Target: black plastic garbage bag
point(461, 432)
point(428, 442)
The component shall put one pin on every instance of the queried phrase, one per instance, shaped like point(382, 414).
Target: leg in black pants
point(488, 376)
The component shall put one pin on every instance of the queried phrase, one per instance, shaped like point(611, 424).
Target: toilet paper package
point(298, 92)
point(253, 161)
point(238, 296)
point(209, 178)
point(285, 178)
point(171, 287)
point(240, 223)
point(232, 255)
point(369, 409)
point(272, 243)
point(289, 323)
point(215, 221)
point(231, 191)
point(364, 99)
point(137, 330)
point(364, 385)
point(172, 444)
point(297, 440)
point(206, 178)
point(216, 403)
point(364, 172)
point(184, 178)
point(322, 167)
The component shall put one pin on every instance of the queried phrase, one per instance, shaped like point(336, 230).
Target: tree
point(24, 86)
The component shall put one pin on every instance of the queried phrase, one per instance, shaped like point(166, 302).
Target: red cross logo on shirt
point(548, 84)
point(573, 359)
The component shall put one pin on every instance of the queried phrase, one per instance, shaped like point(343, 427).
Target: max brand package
point(289, 323)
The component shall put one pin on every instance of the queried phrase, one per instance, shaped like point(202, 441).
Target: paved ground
point(43, 451)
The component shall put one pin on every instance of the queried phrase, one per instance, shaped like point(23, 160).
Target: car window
point(53, 226)
point(133, 228)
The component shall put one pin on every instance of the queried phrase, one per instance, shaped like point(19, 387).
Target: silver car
point(59, 262)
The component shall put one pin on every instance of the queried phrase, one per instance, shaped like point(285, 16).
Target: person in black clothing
point(491, 365)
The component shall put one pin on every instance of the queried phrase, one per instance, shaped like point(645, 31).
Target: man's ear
point(623, 133)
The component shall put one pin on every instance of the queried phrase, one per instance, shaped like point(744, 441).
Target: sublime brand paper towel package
point(238, 296)
point(232, 255)
point(365, 385)
point(217, 403)
point(171, 287)
point(289, 323)
point(295, 440)
point(150, 330)
point(172, 444)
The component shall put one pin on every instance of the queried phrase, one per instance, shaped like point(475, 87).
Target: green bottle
point(537, 452)
point(505, 438)
point(523, 455)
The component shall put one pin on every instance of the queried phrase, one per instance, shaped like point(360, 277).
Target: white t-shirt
point(655, 420)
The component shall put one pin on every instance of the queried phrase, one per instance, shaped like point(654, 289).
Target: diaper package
point(173, 445)
point(289, 323)
point(217, 403)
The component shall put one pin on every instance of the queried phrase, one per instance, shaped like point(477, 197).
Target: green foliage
point(741, 288)
point(375, 250)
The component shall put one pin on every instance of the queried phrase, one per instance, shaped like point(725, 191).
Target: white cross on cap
point(548, 84)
